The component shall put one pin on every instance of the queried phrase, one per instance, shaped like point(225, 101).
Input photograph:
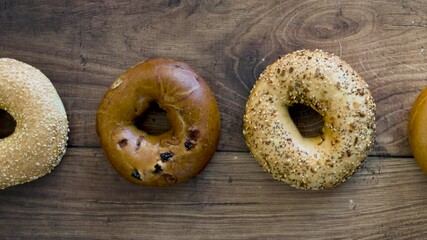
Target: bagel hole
point(7, 124)
point(307, 120)
point(153, 121)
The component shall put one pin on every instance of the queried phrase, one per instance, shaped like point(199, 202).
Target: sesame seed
point(40, 137)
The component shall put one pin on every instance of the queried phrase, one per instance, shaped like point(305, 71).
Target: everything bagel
point(332, 88)
point(174, 156)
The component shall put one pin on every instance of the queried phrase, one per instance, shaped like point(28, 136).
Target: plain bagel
point(39, 140)
point(333, 89)
point(174, 156)
point(418, 130)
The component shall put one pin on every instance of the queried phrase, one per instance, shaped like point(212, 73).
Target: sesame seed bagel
point(39, 140)
point(332, 88)
point(171, 157)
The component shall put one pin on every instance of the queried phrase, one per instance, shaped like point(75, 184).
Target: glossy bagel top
point(176, 155)
point(418, 130)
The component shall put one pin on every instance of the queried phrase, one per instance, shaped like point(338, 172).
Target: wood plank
point(82, 46)
point(232, 199)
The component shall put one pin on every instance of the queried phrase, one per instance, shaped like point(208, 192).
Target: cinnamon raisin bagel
point(331, 87)
point(174, 156)
point(39, 139)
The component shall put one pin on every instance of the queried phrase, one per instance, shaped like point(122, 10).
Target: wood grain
point(83, 46)
point(232, 199)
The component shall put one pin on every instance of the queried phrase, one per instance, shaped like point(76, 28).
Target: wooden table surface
point(83, 46)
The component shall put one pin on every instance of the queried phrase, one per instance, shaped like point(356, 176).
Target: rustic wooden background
point(82, 46)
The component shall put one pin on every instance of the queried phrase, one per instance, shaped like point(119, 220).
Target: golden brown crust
point(174, 156)
point(40, 137)
point(333, 89)
point(418, 130)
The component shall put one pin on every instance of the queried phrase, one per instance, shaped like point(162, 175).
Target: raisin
point(188, 145)
point(165, 156)
point(135, 174)
point(122, 143)
point(138, 141)
point(157, 168)
point(193, 134)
